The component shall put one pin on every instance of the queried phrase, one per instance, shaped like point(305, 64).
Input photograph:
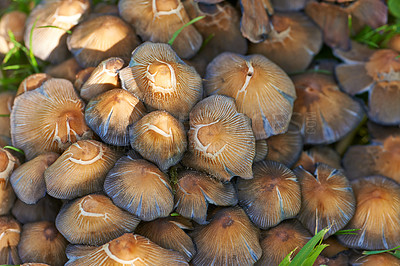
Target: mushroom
point(159, 78)
point(51, 126)
point(255, 24)
point(261, 150)
point(318, 154)
point(194, 191)
point(67, 69)
point(13, 22)
point(101, 37)
point(32, 82)
point(375, 259)
point(46, 209)
point(10, 231)
point(159, 20)
point(81, 77)
point(7, 197)
point(93, 220)
point(80, 170)
point(379, 132)
point(272, 196)
point(128, 249)
point(289, 5)
point(261, 89)
point(159, 138)
point(221, 141)
point(6, 103)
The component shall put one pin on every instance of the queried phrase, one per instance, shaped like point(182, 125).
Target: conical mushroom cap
point(140, 188)
point(168, 233)
point(159, 138)
point(229, 239)
point(80, 170)
point(28, 179)
point(128, 249)
point(109, 115)
point(51, 126)
point(221, 141)
point(261, 89)
point(195, 190)
point(327, 199)
point(272, 196)
point(41, 242)
point(32, 82)
point(101, 37)
point(377, 214)
point(94, 220)
point(158, 20)
point(46, 209)
point(10, 231)
point(158, 77)
point(324, 113)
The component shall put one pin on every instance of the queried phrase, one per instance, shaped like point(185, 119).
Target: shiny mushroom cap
point(7, 165)
point(221, 141)
point(32, 82)
point(261, 89)
point(10, 232)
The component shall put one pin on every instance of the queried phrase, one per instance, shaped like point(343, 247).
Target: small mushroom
point(380, 133)
point(7, 165)
point(46, 209)
point(67, 69)
point(10, 232)
point(13, 21)
point(318, 154)
point(375, 259)
point(32, 82)
point(81, 77)
point(255, 24)
point(7, 197)
point(6, 103)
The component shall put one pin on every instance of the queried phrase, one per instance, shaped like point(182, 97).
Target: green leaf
point(397, 254)
point(286, 260)
point(171, 41)
point(175, 214)
point(347, 232)
point(380, 251)
point(394, 7)
point(14, 149)
point(55, 27)
point(314, 255)
point(4, 115)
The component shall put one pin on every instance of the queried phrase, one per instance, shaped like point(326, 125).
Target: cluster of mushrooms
point(214, 150)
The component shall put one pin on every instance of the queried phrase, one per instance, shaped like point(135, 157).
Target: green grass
point(175, 35)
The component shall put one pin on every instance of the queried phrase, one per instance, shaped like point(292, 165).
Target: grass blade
point(14, 149)
point(4, 115)
point(171, 41)
point(30, 55)
point(314, 255)
point(382, 251)
point(55, 27)
point(286, 260)
point(346, 232)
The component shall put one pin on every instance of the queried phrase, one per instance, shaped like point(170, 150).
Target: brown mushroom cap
point(377, 214)
point(272, 196)
point(221, 141)
point(13, 21)
point(261, 150)
point(80, 170)
point(7, 165)
point(384, 65)
point(46, 209)
point(67, 69)
point(7, 197)
point(376, 259)
point(318, 154)
point(6, 103)
point(158, 20)
point(380, 132)
point(255, 24)
point(229, 239)
point(128, 249)
point(94, 220)
point(81, 77)
point(158, 77)
point(41, 242)
point(159, 138)
point(51, 126)
point(110, 113)
point(101, 37)
point(327, 199)
point(383, 102)
point(140, 188)
point(195, 190)
point(289, 5)
point(10, 231)
point(293, 41)
point(32, 82)
point(262, 90)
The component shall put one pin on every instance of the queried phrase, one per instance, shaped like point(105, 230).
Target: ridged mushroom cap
point(128, 249)
point(111, 113)
point(67, 69)
point(101, 37)
point(158, 77)
point(221, 141)
point(261, 89)
point(13, 21)
point(41, 242)
point(194, 191)
point(318, 154)
point(261, 150)
point(80, 170)
point(140, 187)
point(169, 234)
point(32, 82)
point(10, 233)
point(327, 199)
point(229, 239)
point(28, 179)
point(51, 126)
point(46, 209)
point(375, 259)
point(81, 77)
point(94, 220)
point(159, 138)
point(272, 196)
point(158, 20)
point(377, 214)
point(255, 24)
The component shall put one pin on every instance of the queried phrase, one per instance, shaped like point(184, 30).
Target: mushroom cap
point(327, 199)
point(128, 249)
point(394, 43)
point(101, 37)
point(110, 113)
point(293, 41)
point(289, 5)
point(94, 220)
point(383, 102)
point(32, 82)
point(67, 69)
point(51, 126)
point(103, 78)
point(318, 154)
point(10, 232)
point(195, 190)
point(384, 65)
point(81, 77)
point(41, 242)
point(46, 209)
point(139, 187)
point(261, 150)
point(13, 21)
point(159, 20)
point(7, 197)
point(377, 214)
point(324, 113)
point(255, 23)
point(159, 138)
point(379, 132)
point(279, 241)
point(376, 259)
point(229, 239)
point(221, 141)
point(158, 77)
point(272, 196)
point(262, 90)
point(28, 179)
point(6, 104)
point(7, 165)
point(168, 233)
point(49, 43)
